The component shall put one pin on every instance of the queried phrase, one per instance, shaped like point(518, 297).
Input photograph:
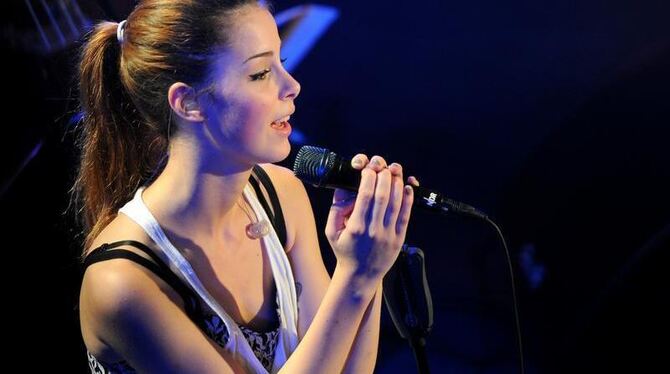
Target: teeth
point(285, 119)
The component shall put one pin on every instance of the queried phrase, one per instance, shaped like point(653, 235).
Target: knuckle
point(376, 233)
point(381, 199)
point(356, 230)
point(368, 173)
point(365, 196)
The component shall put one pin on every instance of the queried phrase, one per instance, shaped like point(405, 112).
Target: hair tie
point(120, 28)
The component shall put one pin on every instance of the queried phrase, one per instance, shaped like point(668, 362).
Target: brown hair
point(124, 135)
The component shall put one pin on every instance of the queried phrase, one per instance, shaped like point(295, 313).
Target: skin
point(129, 313)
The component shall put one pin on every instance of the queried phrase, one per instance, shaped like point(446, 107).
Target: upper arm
point(126, 309)
point(303, 253)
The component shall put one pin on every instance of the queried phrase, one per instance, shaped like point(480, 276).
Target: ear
point(183, 101)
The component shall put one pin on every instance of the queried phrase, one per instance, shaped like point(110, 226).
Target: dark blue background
point(552, 116)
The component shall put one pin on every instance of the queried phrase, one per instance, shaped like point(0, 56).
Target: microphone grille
point(310, 164)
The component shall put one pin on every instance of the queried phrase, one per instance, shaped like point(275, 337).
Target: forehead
point(252, 31)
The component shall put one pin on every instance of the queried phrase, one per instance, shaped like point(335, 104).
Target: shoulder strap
point(276, 215)
point(110, 251)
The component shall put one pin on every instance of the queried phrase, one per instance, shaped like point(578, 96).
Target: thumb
point(340, 210)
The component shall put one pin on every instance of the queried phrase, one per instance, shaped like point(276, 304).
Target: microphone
point(323, 168)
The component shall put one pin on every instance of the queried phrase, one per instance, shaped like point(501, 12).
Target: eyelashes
point(263, 74)
point(260, 76)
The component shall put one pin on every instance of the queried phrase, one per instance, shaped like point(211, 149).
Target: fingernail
point(376, 162)
point(408, 189)
point(357, 162)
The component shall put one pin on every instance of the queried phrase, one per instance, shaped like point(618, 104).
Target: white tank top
point(281, 271)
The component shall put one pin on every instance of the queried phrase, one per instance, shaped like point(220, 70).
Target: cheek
point(244, 125)
point(241, 116)
point(254, 116)
point(258, 113)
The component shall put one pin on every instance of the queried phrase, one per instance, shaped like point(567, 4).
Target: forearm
point(329, 339)
point(363, 355)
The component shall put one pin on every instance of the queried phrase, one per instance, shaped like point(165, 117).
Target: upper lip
point(284, 118)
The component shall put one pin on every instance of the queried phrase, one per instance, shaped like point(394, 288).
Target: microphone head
point(323, 168)
point(311, 164)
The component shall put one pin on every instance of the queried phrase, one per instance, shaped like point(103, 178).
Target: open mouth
point(281, 123)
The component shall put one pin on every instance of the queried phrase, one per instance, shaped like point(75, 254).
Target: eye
point(260, 76)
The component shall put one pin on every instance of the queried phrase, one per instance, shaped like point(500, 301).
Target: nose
point(290, 88)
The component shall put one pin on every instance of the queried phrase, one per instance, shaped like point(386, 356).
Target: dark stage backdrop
point(552, 116)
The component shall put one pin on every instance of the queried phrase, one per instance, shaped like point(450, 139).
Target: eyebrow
point(262, 54)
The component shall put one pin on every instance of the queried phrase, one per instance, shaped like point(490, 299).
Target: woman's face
point(252, 95)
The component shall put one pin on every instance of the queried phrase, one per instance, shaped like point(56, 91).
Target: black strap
point(261, 199)
point(276, 215)
point(110, 251)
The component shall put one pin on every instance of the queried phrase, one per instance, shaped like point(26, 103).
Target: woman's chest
point(240, 279)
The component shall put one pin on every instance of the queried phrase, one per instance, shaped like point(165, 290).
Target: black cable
point(514, 299)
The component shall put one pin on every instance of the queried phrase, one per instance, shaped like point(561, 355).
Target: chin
point(285, 151)
point(278, 154)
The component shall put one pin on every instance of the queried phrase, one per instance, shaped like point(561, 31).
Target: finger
point(395, 201)
point(381, 200)
point(396, 169)
point(405, 212)
point(341, 208)
point(413, 181)
point(364, 199)
point(342, 197)
point(377, 163)
point(359, 161)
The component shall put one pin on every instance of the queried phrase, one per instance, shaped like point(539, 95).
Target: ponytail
point(119, 151)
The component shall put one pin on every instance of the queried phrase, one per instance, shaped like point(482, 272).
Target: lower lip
point(286, 129)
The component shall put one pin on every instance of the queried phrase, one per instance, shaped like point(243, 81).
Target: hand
point(367, 229)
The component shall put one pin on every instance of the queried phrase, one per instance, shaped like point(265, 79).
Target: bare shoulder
point(127, 315)
point(109, 285)
point(113, 294)
point(282, 177)
point(112, 284)
point(113, 287)
point(290, 189)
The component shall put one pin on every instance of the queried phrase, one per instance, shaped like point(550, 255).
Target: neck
point(196, 195)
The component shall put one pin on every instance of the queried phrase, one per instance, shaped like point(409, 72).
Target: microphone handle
point(349, 178)
point(437, 202)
